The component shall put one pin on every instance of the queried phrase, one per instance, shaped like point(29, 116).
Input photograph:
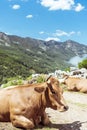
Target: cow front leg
point(45, 119)
point(22, 122)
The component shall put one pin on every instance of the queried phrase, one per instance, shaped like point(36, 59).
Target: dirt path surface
point(73, 119)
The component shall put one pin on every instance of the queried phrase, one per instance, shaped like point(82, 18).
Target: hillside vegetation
point(23, 56)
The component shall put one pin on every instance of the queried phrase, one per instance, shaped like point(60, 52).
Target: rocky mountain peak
point(4, 37)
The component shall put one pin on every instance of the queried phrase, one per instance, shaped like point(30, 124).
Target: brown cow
point(25, 105)
point(76, 84)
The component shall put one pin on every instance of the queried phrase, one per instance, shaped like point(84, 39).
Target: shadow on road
point(68, 126)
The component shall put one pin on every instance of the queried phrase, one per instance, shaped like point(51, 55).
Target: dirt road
point(74, 119)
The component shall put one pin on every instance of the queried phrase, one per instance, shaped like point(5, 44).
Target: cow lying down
point(76, 84)
point(25, 105)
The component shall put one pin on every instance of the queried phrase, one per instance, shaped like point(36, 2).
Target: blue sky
point(58, 20)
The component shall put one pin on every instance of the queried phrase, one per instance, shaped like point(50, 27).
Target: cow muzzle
point(63, 108)
point(66, 108)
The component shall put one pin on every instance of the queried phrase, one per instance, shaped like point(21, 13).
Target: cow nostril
point(66, 107)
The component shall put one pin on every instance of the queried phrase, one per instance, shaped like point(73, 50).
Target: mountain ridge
point(24, 55)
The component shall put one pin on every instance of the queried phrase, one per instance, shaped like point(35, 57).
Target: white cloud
point(61, 5)
point(15, 7)
point(52, 38)
point(29, 16)
point(71, 33)
point(57, 4)
point(79, 7)
point(60, 33)
point(42, 32)
point(8, 33)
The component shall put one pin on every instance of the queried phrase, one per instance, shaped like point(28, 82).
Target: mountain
point(24, 56)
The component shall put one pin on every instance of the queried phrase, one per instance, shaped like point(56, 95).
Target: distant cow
point(76, 84)
point(25, 105)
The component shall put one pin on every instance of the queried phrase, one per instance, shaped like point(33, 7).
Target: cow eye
point(53, 92)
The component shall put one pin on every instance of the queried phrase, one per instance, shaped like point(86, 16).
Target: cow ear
point(39, 89)
point(48, 78)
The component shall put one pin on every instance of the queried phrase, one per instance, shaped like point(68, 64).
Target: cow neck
point(44, 97)
point(47, 97)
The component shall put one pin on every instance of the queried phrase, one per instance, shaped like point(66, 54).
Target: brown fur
point(25, 105)
point(76, 84)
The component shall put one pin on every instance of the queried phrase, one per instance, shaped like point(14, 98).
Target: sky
point(58, 20)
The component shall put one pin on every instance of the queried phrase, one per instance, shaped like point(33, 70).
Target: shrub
point(83, 64)
point(41, 78)
point(12, 82)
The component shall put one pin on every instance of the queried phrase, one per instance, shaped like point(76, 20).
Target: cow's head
point(55, 95)
point(63, 80)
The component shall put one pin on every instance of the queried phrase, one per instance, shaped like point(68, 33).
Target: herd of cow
point(24, 105)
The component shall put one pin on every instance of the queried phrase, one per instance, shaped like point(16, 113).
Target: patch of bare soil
point(73, 119)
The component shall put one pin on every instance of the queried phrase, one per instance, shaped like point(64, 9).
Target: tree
point(82, 64)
